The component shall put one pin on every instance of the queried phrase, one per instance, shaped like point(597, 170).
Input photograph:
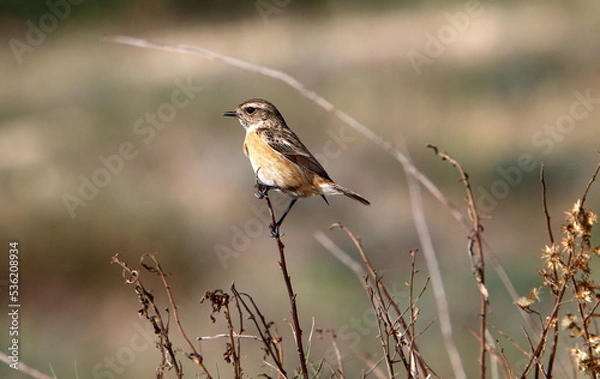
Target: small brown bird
point(280, 161)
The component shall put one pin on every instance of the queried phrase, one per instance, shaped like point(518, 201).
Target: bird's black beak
point(230, 114)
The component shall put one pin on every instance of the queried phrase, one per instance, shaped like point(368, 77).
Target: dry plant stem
point(412, 308)
point(422, 365)
point(374, 367)
point(383, 327)
point(238, 341)
point(538, 350)
point(339, 372)
point(551, 236)
point(281, 373)
point(362, 274)
point(477, 257)
point(322, 102)
point(513, 342)
point(195, 355)
point(29, 371)
point(270, 341)
point(228, 336)
point(338, 355)
point(552, 357)
point(586, 332)
point(317, 370)
point(589, 185)
point(545, 204)
point(412, 304)
point(584, 317)
point(151, 312)
point(497, 355)
point(413, 300)
point(235, 346)
point(292, 296)
point(161, 329)
point(506, 363)
point(490, 347)
point(441, 301)
point(335, 374)
point(340, 254)
point(552, 318)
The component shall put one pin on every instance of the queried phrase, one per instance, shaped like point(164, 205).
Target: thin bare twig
point(338, 355)
point(271, 342)
point(589, 185)
point(545, 204)
point(412, 304)
point(153, 314)
point(241, 329)
point(477, 257)
point(25, 369)
point(339, 372)
point(554, 346)
point(507, 364)
point(281, 373)
point(384, 326)
point(422, 365)
point(157, 269)
point(291, 295)
point(373, 367)
point(441, 301)
point(227, 335)
point(220, 300)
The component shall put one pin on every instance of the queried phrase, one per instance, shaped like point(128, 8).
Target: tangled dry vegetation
point(572, 295)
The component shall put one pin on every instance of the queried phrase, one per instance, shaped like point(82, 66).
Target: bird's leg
point(275, 227)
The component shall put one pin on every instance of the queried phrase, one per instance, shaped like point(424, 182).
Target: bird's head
point(256, 113)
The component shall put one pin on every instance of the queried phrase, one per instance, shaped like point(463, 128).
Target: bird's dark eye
point(250, 110)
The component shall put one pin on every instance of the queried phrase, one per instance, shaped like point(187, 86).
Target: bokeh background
point(492, 83)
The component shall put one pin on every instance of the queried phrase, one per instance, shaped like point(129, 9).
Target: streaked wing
point(285, 142)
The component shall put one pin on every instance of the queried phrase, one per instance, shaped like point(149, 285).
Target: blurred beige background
point(108, 149)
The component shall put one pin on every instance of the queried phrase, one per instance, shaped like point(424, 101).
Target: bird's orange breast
point(273, 169)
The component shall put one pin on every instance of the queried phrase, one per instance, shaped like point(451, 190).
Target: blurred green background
point(492, 83)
